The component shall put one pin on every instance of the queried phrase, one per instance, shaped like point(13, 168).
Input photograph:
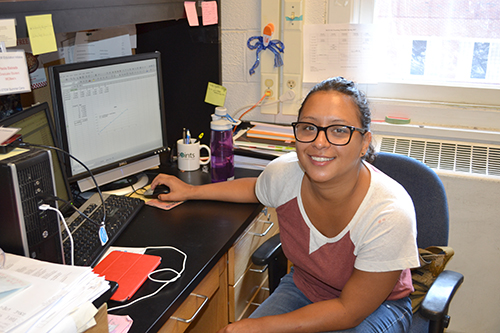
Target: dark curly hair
point(350, 89)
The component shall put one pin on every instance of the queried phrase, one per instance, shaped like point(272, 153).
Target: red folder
point(130, 270)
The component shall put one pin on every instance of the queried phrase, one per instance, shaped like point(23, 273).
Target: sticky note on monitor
point(216, 94)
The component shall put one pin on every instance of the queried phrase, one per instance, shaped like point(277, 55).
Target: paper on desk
point(79, 296)
point(40, 295)
point(119, 324)
point(78, 321)
point(55, 292)
point(10, 284)
point(139, 250)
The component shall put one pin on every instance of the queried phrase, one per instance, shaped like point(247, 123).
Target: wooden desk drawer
point(257, 300)
point(243, 292)
point(240, 254)
point(197, 302)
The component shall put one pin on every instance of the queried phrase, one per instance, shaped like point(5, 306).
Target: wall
point(240, 20)
point(474, 212)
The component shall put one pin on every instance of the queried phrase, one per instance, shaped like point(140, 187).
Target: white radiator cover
point(468, 163)
point(444, 155)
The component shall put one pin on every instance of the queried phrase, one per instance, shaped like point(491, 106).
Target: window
point(445, 42)
point(417, 33)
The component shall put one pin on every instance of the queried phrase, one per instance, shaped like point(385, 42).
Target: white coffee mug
point(188, 155)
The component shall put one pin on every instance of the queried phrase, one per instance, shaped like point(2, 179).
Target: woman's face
point(321, 160)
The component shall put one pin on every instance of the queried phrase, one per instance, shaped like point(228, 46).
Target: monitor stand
point(123, 186)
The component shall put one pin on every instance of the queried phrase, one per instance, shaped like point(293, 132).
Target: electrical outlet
point(292, 83)
point(269, 84)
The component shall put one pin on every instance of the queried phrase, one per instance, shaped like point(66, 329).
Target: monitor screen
point(36, 127)
point(110, 116)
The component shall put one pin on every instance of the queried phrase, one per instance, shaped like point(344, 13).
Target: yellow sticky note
point(8, 32)
point(216, 94)
point(41, 33)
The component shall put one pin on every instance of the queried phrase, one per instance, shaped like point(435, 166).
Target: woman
point(348, 229)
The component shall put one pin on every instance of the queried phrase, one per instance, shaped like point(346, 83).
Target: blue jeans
point(391, 316)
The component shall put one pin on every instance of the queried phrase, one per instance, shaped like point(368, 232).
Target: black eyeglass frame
point(324, 129)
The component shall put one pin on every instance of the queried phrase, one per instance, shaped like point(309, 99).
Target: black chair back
point(427, 192)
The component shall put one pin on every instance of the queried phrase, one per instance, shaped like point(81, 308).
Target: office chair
point(431, 207)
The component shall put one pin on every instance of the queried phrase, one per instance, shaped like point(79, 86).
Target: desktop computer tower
point(26, 178)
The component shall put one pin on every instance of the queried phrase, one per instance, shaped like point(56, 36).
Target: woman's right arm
point(238, 190)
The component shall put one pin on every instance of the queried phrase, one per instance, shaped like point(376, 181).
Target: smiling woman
point(348, 228)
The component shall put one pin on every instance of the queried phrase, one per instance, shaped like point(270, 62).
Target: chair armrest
point(271, 254)
point(263, 255)
point(437, 300)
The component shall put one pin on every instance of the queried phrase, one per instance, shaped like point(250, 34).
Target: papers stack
point(258, 145)
point(45, 297)
point(272, 132)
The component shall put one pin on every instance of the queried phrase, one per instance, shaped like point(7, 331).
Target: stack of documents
point(282, 133)
point(261, 143)
point(38, 296)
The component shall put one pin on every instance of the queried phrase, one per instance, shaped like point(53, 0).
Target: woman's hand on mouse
point(179, 190)
point(238, 190)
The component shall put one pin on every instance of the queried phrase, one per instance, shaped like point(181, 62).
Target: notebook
point(128, 269)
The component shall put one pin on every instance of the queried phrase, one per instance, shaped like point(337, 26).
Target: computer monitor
point(109, 115)
point(36, 127)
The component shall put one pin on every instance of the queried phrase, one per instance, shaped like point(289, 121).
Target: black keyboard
point(120, 210)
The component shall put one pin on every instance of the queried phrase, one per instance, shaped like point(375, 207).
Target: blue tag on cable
point(103, 235)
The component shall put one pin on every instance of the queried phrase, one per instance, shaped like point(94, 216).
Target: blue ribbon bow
point(274, 45)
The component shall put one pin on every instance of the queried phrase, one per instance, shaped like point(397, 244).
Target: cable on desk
point(82, 214)
point(165, 282)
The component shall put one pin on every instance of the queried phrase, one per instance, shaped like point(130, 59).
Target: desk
point(204, 230)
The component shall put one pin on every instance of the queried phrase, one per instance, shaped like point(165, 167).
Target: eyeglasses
point(337, 135)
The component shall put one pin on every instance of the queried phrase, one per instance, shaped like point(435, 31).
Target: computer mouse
point(159, 189)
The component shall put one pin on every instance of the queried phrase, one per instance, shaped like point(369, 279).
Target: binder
point(128, 269)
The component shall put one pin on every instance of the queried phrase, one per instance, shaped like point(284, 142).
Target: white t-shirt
point(380, 237)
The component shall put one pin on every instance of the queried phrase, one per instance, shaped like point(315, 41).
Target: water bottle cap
point(221, 111)
point(221, 125)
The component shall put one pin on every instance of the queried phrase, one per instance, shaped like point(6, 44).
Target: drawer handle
point(262, 270)
point(197, 311)
point(271, 224)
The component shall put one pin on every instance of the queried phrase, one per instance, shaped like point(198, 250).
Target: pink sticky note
point(209, 12)
point(192, 15)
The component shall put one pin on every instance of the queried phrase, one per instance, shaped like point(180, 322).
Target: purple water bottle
point(221, 146)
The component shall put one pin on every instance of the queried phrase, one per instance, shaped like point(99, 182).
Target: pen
point(188, 137)
point(184, 135)
point(199, 137)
